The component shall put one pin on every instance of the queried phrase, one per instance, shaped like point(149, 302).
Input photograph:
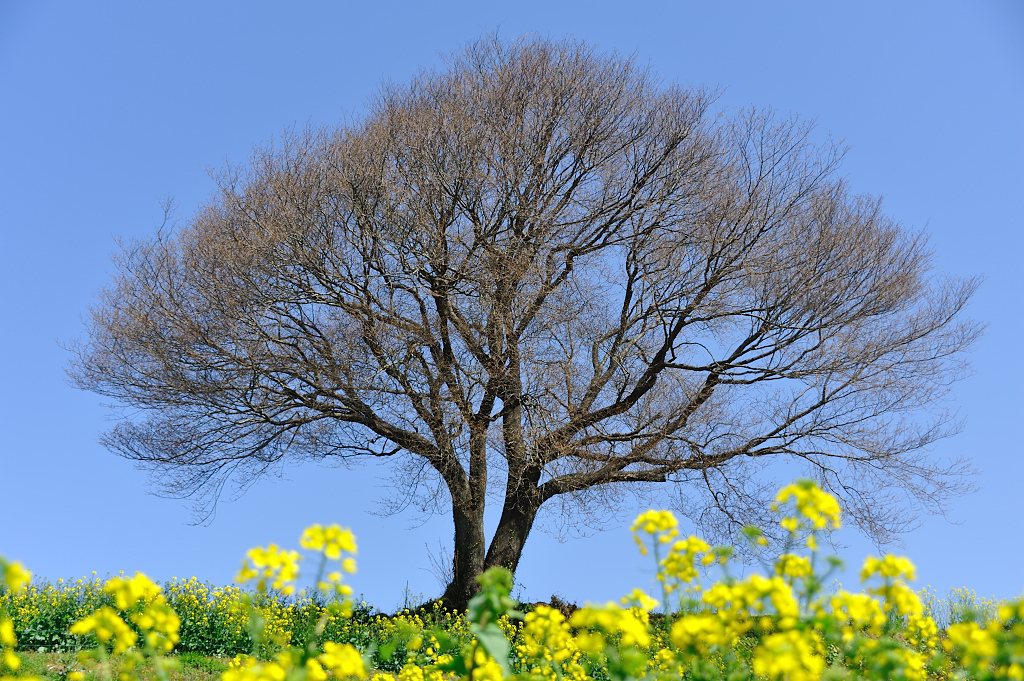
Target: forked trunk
point(468, 561)
point(517, 518)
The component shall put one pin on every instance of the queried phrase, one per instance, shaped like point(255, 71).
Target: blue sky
point(105, 108)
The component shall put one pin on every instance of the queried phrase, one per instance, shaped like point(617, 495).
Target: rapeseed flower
point(7, 641)
point(679, 565)
point(7, 636)
point(818, 508)
point(889, 567)
point(342, 660)
point(790, 655)
point(922, 629)
point(331, 540)
point(14, 575)
point(248, 668)
point(791, 565)
point(753, 594)
point(129, 592)
point(660, 525)
point(546, 636)
point(697, 633)
point(107, 625)
point(861, 610)
point(485, 668)
point(271, 564)
point(160, 625)
point(913, 664)
point(638, 599)
point(615, 621)
point(11, 660)
point(411, 672)
point(885, 632)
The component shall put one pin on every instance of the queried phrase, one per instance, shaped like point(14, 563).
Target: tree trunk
point(517, 518)
point(468, 561)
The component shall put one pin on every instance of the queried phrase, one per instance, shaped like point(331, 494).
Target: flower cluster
point(332, 540)
point(13, 578)
point(335, 544)
point(148, 608)
point(546, 639)
point(778, 626)
point(108, 627)
point(273, 565)
point(814, 507)
point(13, 575)
point(679, 566)
point(339, 661)
point(791, 655)
point(627, 627)
point(992, 650)
point(142, 602)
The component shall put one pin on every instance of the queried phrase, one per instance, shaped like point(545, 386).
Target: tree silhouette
point(543, 275)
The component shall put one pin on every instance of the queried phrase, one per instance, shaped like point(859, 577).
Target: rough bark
point(517, 516)
point(468, 557)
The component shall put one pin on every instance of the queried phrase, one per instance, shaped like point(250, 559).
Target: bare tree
point(542, 273)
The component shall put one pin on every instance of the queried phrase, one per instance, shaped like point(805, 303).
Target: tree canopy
point(542, 276)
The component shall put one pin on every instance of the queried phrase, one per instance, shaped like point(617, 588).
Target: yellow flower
point(790, 565)
point(107, 625)
point(922, 629)
point(7, 633)
point(789, 655)
point(903, 599)
point(980, 643)
point(653, 522)
point(639, 599)
point(15, 575)
point(889, 567)
point(332, 540)
point(128, 592)
point(271, 564)
point(314, 672)
point(613, 620)
point(661, 525)
point(343, 660)
point(860, 609)
point(250, 669)
point(913, 665)
point(11, 660)
point(411, 672)
point(160, 624)
point(697, 633)
point(546, 634)
point(484, 667)
point(751, 593)
point(819, 508)
point(679, 563)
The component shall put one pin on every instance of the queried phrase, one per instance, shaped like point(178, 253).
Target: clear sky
point(107, 107)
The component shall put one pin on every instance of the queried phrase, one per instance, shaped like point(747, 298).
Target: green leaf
point(388, 649)
point(457, 666)
point(492, 601)
point(492, 639)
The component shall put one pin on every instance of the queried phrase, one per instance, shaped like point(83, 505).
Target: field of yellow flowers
point(704, 624)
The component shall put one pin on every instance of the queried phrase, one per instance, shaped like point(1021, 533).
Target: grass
point(959, 605)
point(56, 667)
